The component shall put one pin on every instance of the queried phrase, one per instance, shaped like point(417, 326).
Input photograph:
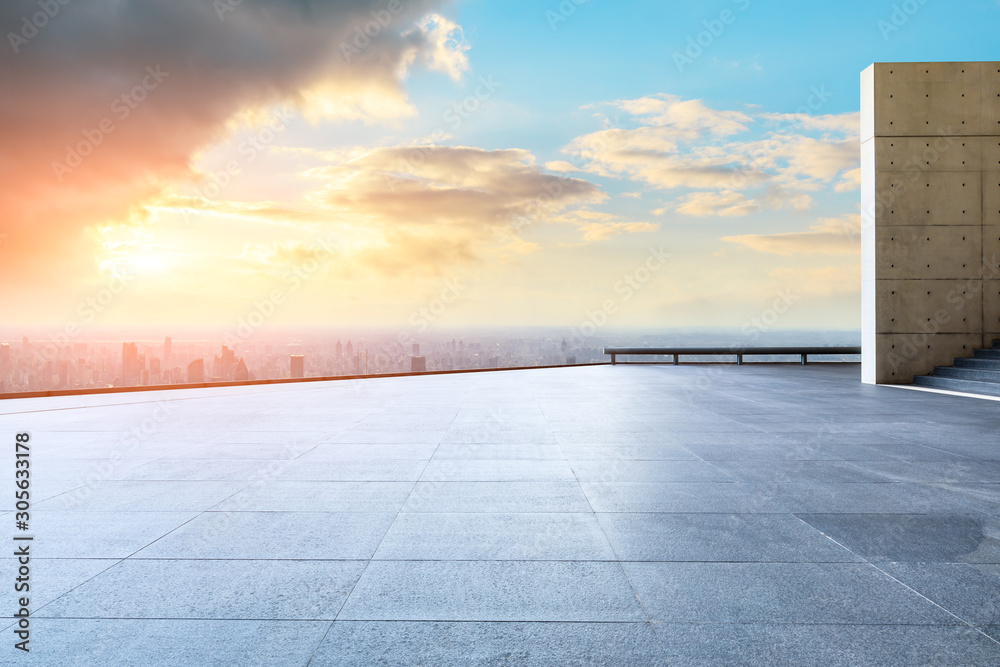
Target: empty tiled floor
point(592, 515)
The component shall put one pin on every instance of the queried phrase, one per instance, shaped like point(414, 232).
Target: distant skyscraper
point(339, 349)
point(418, 364)
point(298, 363)
point(416, 349)
point(242, 374)
point(228, 363)
point(4, 359)
point(166, 350)
point(25, 347)
point(130, 365)
point(196, 371)
point(350, 348)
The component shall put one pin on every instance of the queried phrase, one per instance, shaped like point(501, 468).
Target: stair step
point(987, 354)
point(983, 364)
point(961, 373)
point(954, 384)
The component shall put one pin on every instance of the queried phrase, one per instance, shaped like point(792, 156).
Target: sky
point(388, 162)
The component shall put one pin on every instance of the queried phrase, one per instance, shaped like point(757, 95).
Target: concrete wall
point(930, 207)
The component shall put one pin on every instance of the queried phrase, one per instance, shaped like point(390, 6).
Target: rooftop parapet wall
point(930, 205)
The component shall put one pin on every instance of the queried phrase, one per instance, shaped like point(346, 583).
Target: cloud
point(844, 123)
point(123, 93)
point(688, 118)
point(420, 209)
point(670, 144)
point(445, 186)
point(728, 203)
point(598, 231)
point(820, 281)
point(724, 203)
point(829, 236)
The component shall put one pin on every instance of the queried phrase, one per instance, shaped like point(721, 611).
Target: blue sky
point(599, 135)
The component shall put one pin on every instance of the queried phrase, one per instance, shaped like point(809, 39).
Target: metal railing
point(739, 352)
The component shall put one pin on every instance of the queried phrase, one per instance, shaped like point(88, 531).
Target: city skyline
point(482, 163)
point(35, 364)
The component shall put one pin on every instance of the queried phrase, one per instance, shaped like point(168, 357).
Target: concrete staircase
point(979, 374)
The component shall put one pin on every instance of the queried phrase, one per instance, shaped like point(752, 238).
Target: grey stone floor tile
point(143, 496)
point(169, 643)
point(465, 536)
point(937, 472)
point(840, 593)
point(196, 470)
point(50, 578)
point(667, 437)
point(649, 471)
point(611, 451)
point(213, 589)
point(496, 497)
point(926, 538)
point(726, 497)
point(79, 469)
point(61, 534)
point(506, 434)
point(492, 591)
point(970, 591)
point(797, 471)
point(825, 645)
point(274, 535)
point(292, 496)
point(399, 437)
point(497, 470)
point(871, 498)
point(493, 451)
point(378, 452)
point(719, 537)
point(361, 470)
point(365, 643)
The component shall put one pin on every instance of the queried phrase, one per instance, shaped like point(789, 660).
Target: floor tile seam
point(621, 568)
point(904, 585)
point(384, 535)
point(118, 561)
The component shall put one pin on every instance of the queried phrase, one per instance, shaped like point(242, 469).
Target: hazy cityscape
point(31, 362)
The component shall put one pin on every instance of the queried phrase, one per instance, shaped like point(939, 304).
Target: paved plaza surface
point(630, 514)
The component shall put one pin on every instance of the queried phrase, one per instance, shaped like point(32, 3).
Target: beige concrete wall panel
point(991, 309)
point(991, 197)
point(901, 356)
point(928, 109)
point(939, 306)
point(929, 252)
point(912, 154)
point(929, 198)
